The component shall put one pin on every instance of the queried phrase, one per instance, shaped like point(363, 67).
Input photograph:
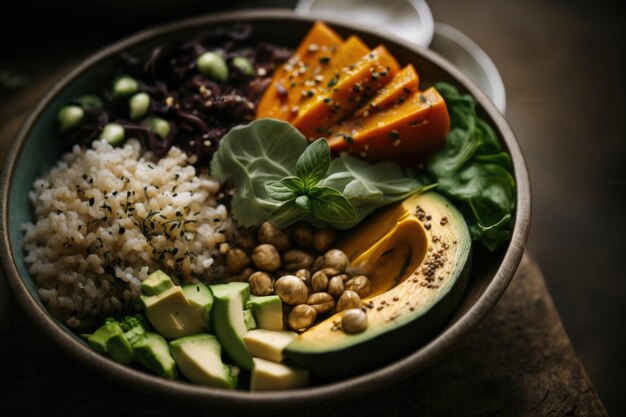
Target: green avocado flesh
point(152, 352)
point(228, 320)
point(410, 300)
point(199, 359)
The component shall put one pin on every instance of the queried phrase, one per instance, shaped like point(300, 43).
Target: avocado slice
point(268, 344)
point(268, 312)
point(172, 315)
point(248, 319)
point(152, 352)
point(156, 283)
point(98, 340)
point(201, 298)
point(199, 358)
point(271, 376)
point(228, 320)
point(120, 348)
point(418, 254)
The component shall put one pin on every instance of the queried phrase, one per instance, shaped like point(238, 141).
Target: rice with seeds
point(105, 218)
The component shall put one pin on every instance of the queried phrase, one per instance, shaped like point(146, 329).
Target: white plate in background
point(463, 52)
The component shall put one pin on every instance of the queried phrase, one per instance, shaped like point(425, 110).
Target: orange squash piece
point(398, 89)
point(411, 130)
point(320, 42)
point(350, 87)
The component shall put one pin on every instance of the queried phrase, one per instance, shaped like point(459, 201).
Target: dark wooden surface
point(518, 362)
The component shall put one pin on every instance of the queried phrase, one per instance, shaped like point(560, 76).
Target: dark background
point(562, 64)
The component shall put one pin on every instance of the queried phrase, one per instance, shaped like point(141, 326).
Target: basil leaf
point(474, 172)
point(303, 202)
point(286, 189)
point(314, 162)
point(329, 205)
point(249, 157)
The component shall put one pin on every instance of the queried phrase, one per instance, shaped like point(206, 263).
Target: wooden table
point(518, 362)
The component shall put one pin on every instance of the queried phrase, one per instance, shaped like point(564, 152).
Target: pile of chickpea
point(298, 264)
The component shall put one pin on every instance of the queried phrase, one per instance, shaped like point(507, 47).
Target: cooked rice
point(107, 217)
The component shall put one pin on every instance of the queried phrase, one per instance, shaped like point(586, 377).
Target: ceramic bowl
point(34, 151)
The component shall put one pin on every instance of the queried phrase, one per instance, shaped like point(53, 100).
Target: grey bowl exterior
point(490, 276)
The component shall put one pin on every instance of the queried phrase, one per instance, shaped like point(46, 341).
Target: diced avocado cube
point(172, 315)
point(98, 340)
point(152, 351)
point(201, 298)
point(199, 358)
point(270, 376)
point(268, 344)
point(156, 283)
point(228, 320)
point(248, 319)
point(267, 311)
point(119, 347)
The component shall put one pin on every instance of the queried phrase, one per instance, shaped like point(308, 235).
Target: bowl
point(32, 153)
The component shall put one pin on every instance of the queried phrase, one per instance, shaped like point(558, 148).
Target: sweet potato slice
point(398, 89)
point(350, 87)
point(320, 42)
point(412, 130)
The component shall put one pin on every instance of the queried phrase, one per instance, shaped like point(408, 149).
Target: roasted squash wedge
point(320, 43)
point(418, 254)
point(351, 85)
point(397, 90)
point(417, 127)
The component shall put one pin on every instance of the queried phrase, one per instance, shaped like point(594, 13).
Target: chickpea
point(335, 286)
point(261, 283)
point(268, 233)
point(295, 259)
point(331, 272)
point(291, 290)
point(323, 238)
point(304, 275)
point(319, 281)
point(302, 317)
point(344, 278)
point(322, 302)
point(303, 235)
point(349, 299)
point(354, 321)
point(336, 259)
point(266, 258)
point(318, 264)
point(236, 260)
point(360, 285)
point(246, 241)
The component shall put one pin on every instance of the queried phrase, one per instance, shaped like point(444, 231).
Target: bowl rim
point(343, 389)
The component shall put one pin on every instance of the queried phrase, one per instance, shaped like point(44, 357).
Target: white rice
point(107, 217)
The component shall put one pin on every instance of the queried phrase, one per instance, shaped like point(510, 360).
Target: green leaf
point(314, 162)
point(287, 214)
point(474, 171)
point(286, 189)
point(249, 157)
point(303, 202)
point(329, 205)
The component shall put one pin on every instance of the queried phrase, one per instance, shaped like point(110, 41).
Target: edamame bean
point(124, 87)
point(244, 65)
point(159, 126)
point(70, 117)
point(139, 105)
point(212, 65)
point(113, 133)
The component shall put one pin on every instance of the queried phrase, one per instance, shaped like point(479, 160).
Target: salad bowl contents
point(241, 215)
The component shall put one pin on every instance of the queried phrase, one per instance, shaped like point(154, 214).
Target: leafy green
point(279, 178)
point(475, 172)
point(251, 156)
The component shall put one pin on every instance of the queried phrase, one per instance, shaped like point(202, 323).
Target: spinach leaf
point(473, 170)
point(249, 157)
